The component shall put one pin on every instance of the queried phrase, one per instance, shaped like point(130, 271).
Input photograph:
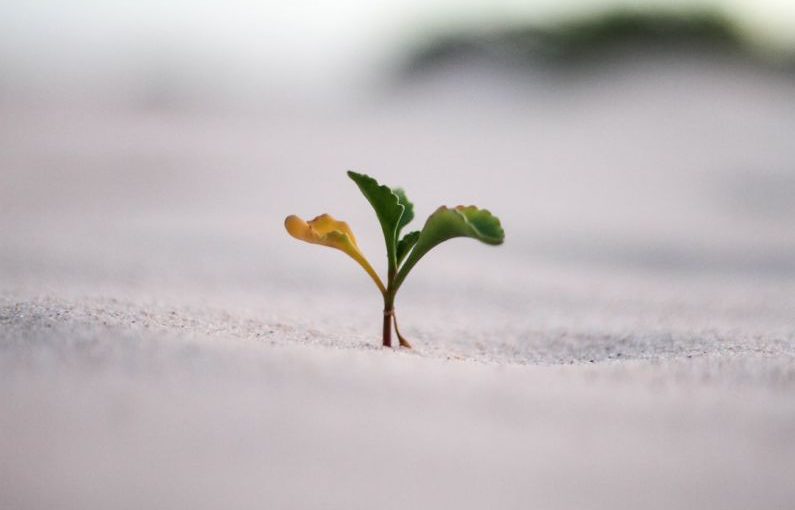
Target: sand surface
point(164, 344)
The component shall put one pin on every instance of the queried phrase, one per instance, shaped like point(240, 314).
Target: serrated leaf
point(408, 209)
point(404, 245)
point(446, 223)
point(387, 207)
point(326, 231)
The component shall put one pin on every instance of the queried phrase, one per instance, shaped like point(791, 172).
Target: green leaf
point(404, 245)
point(446, 223)
point(408, 213)
point(387, 207)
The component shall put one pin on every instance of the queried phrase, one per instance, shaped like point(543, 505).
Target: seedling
point(394, 212)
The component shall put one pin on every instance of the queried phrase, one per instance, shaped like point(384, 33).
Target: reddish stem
point(387, 328)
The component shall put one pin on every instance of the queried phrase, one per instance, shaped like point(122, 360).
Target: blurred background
point(165, 344)
point(163, 142)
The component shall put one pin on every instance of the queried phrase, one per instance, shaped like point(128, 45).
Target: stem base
point(387, 330)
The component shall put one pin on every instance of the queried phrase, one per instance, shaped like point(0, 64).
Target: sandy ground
point(164, 344)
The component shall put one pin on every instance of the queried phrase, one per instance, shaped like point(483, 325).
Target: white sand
point(163, 343)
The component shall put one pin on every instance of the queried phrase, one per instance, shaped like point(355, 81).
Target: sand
point(164, 344)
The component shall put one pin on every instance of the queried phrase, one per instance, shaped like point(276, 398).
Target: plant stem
point(387, 328)
point(389, 320)
point(401, 339)
point(389, 310)
point(389, 306)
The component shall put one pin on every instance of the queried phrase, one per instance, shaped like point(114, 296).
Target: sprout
point(394, 212)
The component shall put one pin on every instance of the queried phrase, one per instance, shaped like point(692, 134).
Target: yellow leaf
point(326, 231)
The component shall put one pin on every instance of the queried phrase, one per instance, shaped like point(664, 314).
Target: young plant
point(394, 212)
